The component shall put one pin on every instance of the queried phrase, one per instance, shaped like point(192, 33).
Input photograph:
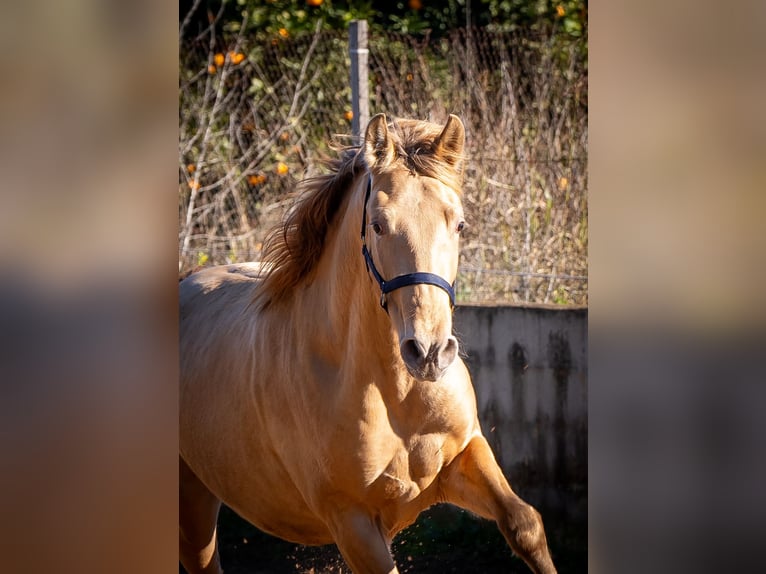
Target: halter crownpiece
point(417, 278)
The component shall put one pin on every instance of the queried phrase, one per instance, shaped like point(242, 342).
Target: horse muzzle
point(428, 362)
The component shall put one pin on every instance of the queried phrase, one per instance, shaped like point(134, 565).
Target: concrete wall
point(530, 371)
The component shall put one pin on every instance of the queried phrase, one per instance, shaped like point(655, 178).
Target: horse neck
point(345, 296)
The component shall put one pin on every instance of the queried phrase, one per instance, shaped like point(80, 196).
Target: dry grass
point(251, 130)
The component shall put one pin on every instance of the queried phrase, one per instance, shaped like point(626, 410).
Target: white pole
point(360, 98)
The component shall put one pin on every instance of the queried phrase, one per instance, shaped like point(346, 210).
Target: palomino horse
point(326, 401)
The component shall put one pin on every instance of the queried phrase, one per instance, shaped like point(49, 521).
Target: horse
point(322, 395)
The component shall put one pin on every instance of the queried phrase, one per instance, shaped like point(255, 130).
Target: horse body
point(373, 436)
point(320, 417)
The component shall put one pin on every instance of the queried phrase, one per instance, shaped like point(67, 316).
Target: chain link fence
point(258, 114)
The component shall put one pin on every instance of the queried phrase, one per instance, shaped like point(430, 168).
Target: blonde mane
point(293, 248)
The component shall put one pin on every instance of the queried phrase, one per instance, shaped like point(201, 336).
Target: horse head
point(411, 225)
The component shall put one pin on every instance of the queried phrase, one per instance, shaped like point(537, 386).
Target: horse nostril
point(448, 353)
point(412, 352)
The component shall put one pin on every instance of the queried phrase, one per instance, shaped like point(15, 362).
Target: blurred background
point(90, 245)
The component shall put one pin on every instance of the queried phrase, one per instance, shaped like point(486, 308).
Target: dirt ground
point(444, 540)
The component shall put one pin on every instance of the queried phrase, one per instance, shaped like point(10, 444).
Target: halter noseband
point(416, 278)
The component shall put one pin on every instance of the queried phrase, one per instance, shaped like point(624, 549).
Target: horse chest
point(425, 459)
point(412, 468)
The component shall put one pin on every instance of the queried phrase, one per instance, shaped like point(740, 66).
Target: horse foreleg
point(474, 481)
point(197, 514)
point(362, 544)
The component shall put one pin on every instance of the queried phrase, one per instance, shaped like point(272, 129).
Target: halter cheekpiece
point(402, 280)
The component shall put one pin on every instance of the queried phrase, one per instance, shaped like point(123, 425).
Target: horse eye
point(460, 226)
point(377, 228)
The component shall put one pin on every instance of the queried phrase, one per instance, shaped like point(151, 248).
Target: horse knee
point(524, 529)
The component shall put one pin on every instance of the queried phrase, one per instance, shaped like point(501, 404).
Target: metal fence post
point(360, 99)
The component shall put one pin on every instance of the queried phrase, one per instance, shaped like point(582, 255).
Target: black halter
point(402, 280)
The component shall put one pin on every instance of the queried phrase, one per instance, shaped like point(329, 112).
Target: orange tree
point(437, 17)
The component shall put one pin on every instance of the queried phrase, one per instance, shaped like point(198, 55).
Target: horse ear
point(449, 145)
point(378, 148)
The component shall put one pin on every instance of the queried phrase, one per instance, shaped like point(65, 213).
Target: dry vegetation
point(258, 113)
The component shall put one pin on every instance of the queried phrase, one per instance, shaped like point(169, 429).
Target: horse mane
point(293, 248)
